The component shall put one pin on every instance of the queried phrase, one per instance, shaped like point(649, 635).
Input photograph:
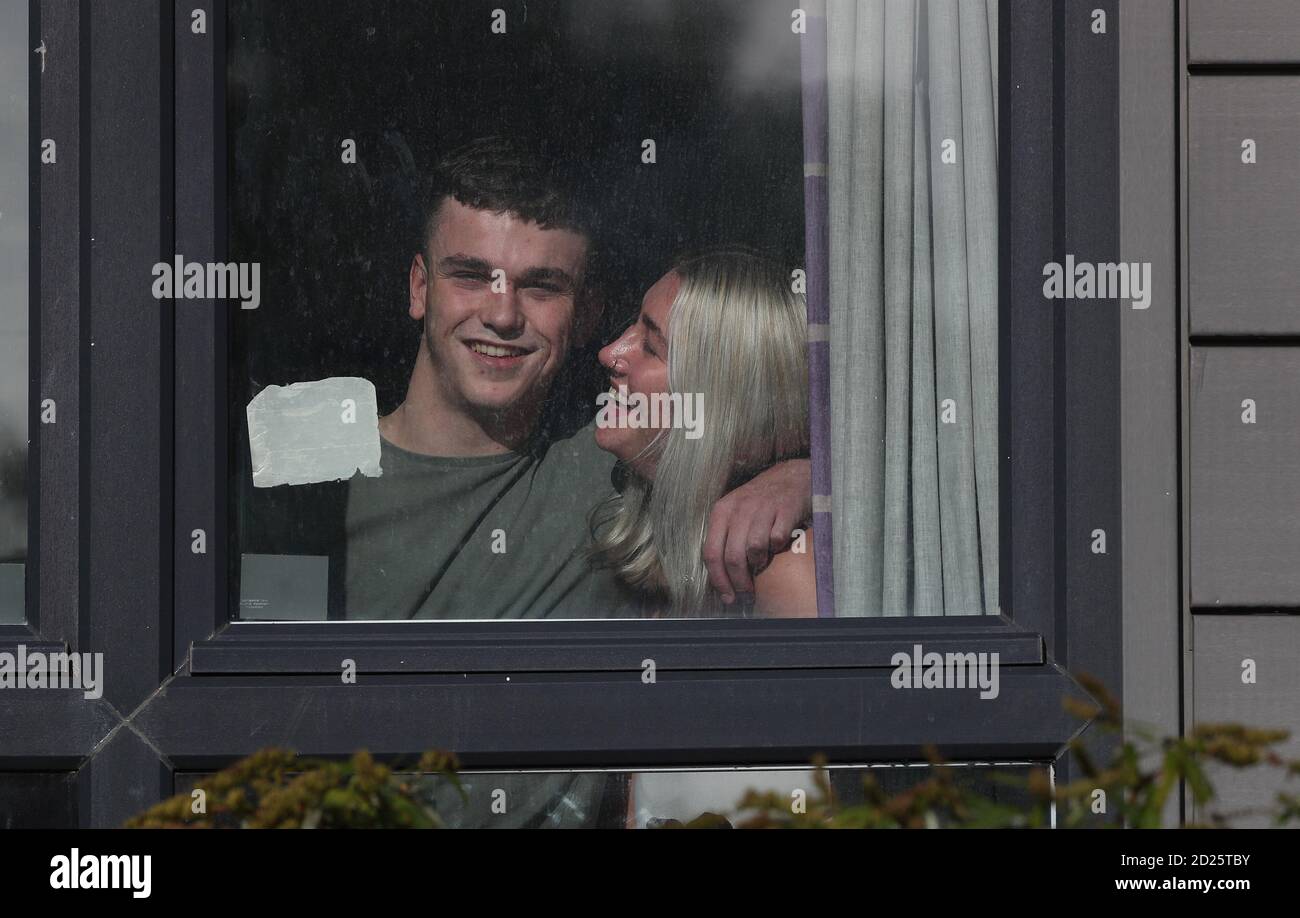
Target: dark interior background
point(715, 84)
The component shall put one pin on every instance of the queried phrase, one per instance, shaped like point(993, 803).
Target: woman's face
point(637, 362)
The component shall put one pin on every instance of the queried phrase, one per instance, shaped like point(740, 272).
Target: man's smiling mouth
point(497, 350)
point(498, 356)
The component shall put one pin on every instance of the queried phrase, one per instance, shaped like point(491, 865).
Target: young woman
point(720, 344)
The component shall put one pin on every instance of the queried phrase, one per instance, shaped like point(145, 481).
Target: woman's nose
point(611, 355)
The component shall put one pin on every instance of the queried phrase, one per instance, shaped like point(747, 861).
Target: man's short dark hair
point(507, 176)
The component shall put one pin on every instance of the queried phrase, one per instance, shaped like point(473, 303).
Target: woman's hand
point(754, 522)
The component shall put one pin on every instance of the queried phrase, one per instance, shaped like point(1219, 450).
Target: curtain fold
point(979, 123)
point(898, 128)
point(912, 274)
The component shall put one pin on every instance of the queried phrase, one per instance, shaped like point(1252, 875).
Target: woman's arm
point(788, 587)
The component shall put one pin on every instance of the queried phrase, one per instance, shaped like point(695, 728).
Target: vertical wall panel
point(1243, 219)
point(1243, 31)
point(1226, 645)
point(1240, 312)
point(1149, 354)
point(1245, 477)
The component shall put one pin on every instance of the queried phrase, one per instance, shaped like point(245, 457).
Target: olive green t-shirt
point(485, 537)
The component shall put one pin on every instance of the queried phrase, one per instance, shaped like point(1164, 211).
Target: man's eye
point(645, 346)
point(469, 275)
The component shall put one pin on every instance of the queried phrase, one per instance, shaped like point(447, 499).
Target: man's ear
point(418, 284)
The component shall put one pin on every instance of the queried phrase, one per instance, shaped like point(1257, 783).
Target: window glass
point(13, 307)
point(553, 310)
point(38, 800)
point(618, 799)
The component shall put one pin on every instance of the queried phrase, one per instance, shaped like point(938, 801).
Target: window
point(508, 327)
point(448, 678)
point(14, 280)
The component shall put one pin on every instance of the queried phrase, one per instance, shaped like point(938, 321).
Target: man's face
point(499, 300)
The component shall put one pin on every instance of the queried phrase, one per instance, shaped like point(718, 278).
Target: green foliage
point(274, 789)
point(1137, 784)
point(1142, 789)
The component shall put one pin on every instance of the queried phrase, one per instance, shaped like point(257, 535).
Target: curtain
point(905, 467)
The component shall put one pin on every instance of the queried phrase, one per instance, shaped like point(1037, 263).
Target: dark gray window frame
point(55, 730)
point(188, 689)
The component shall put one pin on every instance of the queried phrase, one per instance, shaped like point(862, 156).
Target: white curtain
point(912, 171)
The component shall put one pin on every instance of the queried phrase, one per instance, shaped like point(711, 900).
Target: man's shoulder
point(579, 450)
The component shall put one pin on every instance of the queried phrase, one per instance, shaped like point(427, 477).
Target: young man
point(482, 510)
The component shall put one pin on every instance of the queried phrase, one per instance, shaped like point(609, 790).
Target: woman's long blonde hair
point(736, 335)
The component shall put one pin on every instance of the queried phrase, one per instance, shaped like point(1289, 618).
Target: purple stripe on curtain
point(812, 56)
